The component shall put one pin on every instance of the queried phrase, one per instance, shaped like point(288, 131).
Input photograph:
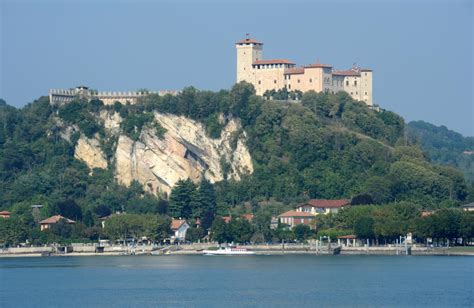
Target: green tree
point(195, 234)
point(466, 226)
point(204, 203)
point(219, 230)
point(364, 228)
point(12, 232)
point(240, 230)
point(180, 199)
point(62, 228)
point(301, 232)
point(69, 209)
point(135, 226)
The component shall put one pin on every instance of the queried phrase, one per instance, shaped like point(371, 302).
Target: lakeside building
point(48, 222)
point(5, 214)
point(305, 213)
point(293, 218)
point(318, 206)
point(275, 74)
point(179, 227)
point(468, 207)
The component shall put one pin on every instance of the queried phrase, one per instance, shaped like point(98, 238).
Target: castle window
point(357, 93)
point(347, 82)
point(298, 81)
point(365, 74)
point(365, 93)
point(352, 93)
point(310, 80)
point(259, 82)
point(289, 86)
point(274, 81)
point(355, 82)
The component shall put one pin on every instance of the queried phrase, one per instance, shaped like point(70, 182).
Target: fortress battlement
point(62, 96)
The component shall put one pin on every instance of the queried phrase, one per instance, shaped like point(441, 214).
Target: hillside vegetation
point(324, 146)
point(444, 146)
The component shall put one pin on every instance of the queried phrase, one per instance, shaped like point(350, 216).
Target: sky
point(421, 51)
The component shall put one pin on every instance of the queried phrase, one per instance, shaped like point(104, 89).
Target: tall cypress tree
point(207, 196)
point(180, 199)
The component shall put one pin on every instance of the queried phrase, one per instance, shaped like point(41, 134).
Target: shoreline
point(373, 251)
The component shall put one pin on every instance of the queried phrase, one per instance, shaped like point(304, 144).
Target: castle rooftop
point(346, 73)
point(294, 71)
point(318, 65)
point(249, 41)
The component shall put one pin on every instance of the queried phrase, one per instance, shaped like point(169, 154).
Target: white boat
point(228, 251)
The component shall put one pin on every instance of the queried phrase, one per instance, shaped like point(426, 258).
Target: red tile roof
point(318, 65)
point(177, 223)
point(248, 217)
point(249, 41)
point(294, 71)
point(5, 213)
point(293, 213)
point(326, 203)
point(346, 73)
point(273, 61)
point(227, 219)
point(54, 219)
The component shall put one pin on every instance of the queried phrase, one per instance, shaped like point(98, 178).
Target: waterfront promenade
point(197, 248)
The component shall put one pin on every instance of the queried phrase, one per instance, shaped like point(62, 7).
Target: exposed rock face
point(89, 151)
point(184, 152)
point(111, 121)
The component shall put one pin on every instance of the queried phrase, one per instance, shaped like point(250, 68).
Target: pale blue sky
point(421, 51)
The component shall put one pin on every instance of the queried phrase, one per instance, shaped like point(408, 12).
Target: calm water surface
point(268, 281)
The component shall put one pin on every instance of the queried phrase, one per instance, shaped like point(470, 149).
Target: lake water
point(212, 281)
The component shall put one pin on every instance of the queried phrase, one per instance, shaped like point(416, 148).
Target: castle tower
point(366, 86)
point(248, 51)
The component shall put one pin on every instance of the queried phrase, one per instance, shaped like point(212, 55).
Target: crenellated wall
point(62, 96)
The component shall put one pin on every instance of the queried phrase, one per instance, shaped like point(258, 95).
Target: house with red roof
point(305, 213)
point(179, 227)
point(293, 218)
point(5, 214)
point(320, 206)
point(48, 222)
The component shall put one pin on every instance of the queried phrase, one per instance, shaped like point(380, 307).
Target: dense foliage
point(324, 146)
point(445, 146)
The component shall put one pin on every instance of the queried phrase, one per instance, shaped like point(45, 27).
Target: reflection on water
point(237, 281)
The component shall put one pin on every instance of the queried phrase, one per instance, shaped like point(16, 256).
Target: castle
point(275, 74)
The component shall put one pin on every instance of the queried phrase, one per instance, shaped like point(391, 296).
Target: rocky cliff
point(184, 151)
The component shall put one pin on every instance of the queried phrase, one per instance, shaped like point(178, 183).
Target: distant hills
point(444, 146)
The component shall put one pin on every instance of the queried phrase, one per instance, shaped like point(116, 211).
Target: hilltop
point(93, 157)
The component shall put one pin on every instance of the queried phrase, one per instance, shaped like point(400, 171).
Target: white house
point(179, 227)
